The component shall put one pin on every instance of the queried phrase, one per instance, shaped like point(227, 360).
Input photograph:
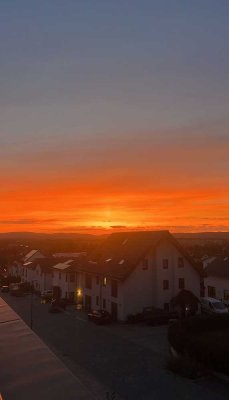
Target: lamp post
point(31, 305)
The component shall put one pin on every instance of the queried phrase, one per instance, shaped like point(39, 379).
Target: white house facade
point(135, 270)
point(216, 281)
point(64, 279)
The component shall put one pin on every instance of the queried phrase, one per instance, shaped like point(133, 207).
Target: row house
point(28, 265)
point(64, 279)
point(134, 270)
point(216, 281)
point(128, 272)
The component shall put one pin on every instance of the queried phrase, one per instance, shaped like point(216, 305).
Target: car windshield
point(219, 306)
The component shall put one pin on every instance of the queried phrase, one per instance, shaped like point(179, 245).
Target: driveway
point(126, 359)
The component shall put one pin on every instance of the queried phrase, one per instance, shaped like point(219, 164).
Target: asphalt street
point(130, 361)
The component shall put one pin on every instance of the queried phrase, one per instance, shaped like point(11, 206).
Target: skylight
point(124, 242)
point(109, 259)
point(121, 262)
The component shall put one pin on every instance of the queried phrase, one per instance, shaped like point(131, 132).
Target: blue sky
point(94, 85)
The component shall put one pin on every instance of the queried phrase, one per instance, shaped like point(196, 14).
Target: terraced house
point(133, 270)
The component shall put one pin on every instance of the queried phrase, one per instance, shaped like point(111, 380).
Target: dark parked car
point(5, 289)
point(99, 317)
point(58, 305)
point(17, 292)
point(47, 296)
point(54, 307)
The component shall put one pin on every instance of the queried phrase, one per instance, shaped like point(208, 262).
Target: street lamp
point(31, 305)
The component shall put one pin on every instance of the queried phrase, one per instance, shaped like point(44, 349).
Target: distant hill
point(34, 235)
point(203, 235)
point(82, 236)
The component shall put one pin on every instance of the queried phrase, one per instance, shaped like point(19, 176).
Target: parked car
point(54, 307)
point(47, 296)
point(156, 316)
point(210, 305)
point(5, 289)
point(17, 292)
point(99, 317)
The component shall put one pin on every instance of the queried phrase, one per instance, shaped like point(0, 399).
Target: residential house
point(134, 270)
point(27, 268)
point(216, 281)
point(43, 274)
point(14, 269)
point(64, 278)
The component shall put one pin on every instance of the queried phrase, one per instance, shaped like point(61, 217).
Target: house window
point(211, 291)
point(104, 304)
point(114, 288)
point(166, 306)
point(226, 295)
point(66, 277)
point(180, 262)
point(59, 275)
point(181, 283)
point(145, 264)
point(104, 281)
point(97, 300)
point(165, 284)
point(72, 277)
point(97, 280)
point(165, 263)
point(88, 282)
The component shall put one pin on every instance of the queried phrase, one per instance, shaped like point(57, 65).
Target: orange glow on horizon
point(98, 209)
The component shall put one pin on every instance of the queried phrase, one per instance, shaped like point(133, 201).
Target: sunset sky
point(114, 114)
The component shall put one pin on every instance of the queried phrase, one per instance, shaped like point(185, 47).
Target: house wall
point(30, 276)
point(100, 292)
point(67, 287)
point(14, 269)
point(221, 285)
point(139, 288)
point(144, 287)
point(191, 277)
point(44, 279)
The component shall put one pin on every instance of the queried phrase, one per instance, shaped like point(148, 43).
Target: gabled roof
point(30, 254)
point(219, 268)
point(45, 264)
point(66, 266)
point(119, 254)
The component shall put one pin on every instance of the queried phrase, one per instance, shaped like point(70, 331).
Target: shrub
point(134, 318)
point(205, 338)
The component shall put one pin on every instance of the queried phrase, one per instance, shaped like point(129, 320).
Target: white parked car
point(210, 305)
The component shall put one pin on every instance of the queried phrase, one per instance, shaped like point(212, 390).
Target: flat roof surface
point(29, 370)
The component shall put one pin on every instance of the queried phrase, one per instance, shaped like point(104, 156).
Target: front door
point(87, 302)
point(114, 310)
